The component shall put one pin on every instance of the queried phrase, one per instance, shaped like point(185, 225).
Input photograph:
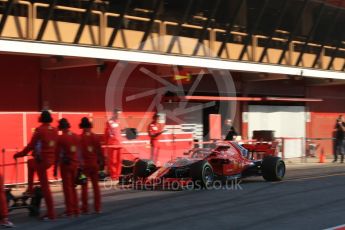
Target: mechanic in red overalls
point(3, 207)
point(113, 137)
point(93, 161)
point(66, 156)
point(154, 130)
point(43, 144)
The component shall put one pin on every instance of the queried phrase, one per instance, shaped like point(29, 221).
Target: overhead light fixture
point(32, 47)
point(199, 17)
point(143, 10)
point(291, 99)
point(282, 31)
point(220, 98)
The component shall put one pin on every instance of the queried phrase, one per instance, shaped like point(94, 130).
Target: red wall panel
point(74, 89)
point(322, 126)
point(333, 99)
point(14, 135)
point(19, 88)
point(325, 113)
point(11, 138)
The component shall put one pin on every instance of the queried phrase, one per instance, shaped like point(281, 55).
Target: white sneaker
point(7, 224)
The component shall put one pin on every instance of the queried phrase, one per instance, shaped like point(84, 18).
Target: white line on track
point(340, 227)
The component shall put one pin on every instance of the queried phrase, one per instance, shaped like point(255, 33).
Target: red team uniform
point(113, 137)
point(154, 130)
point(93, 160)
point(43, 144)
point(67, 157)
point(3, 202)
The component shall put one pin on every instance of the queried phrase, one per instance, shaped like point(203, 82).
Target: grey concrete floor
point(310, 197)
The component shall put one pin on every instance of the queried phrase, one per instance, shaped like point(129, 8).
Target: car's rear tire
point(273, 169)
point(143, 168)
point(202, 174)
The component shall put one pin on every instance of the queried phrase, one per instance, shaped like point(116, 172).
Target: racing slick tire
point(273, 169)
point(202, 174)
point(126, 177)
point(143, 168)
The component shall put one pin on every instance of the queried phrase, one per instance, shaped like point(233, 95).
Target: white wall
point(286, 121)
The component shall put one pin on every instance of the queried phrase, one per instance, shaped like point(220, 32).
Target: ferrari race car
point(204, 166)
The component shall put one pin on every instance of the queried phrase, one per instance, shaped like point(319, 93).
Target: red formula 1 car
point(203, 167)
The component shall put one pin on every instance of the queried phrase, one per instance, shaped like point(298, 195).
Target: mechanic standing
point(113, 138)
point(66, 156)
point(3, 207)
point(339, 138)
point(92, 163)
point(43, 144)
point(154, 130)
point(230, 133)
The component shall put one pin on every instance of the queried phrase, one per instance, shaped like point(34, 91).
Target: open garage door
point(286, 121)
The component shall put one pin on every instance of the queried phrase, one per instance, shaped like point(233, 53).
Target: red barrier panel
point(11, 137)
point(18, 127)
point(215, 126)
point(16, 131)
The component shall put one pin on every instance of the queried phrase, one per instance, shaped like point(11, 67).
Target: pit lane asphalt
point(310, 197)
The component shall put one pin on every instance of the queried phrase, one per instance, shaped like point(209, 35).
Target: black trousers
point(339, 150)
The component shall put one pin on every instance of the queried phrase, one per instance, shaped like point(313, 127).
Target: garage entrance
point(286, 121)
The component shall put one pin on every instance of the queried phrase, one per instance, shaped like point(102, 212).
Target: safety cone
point(322, 156)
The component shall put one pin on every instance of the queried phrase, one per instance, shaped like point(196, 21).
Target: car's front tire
point(143, 168)
point(202, 174)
